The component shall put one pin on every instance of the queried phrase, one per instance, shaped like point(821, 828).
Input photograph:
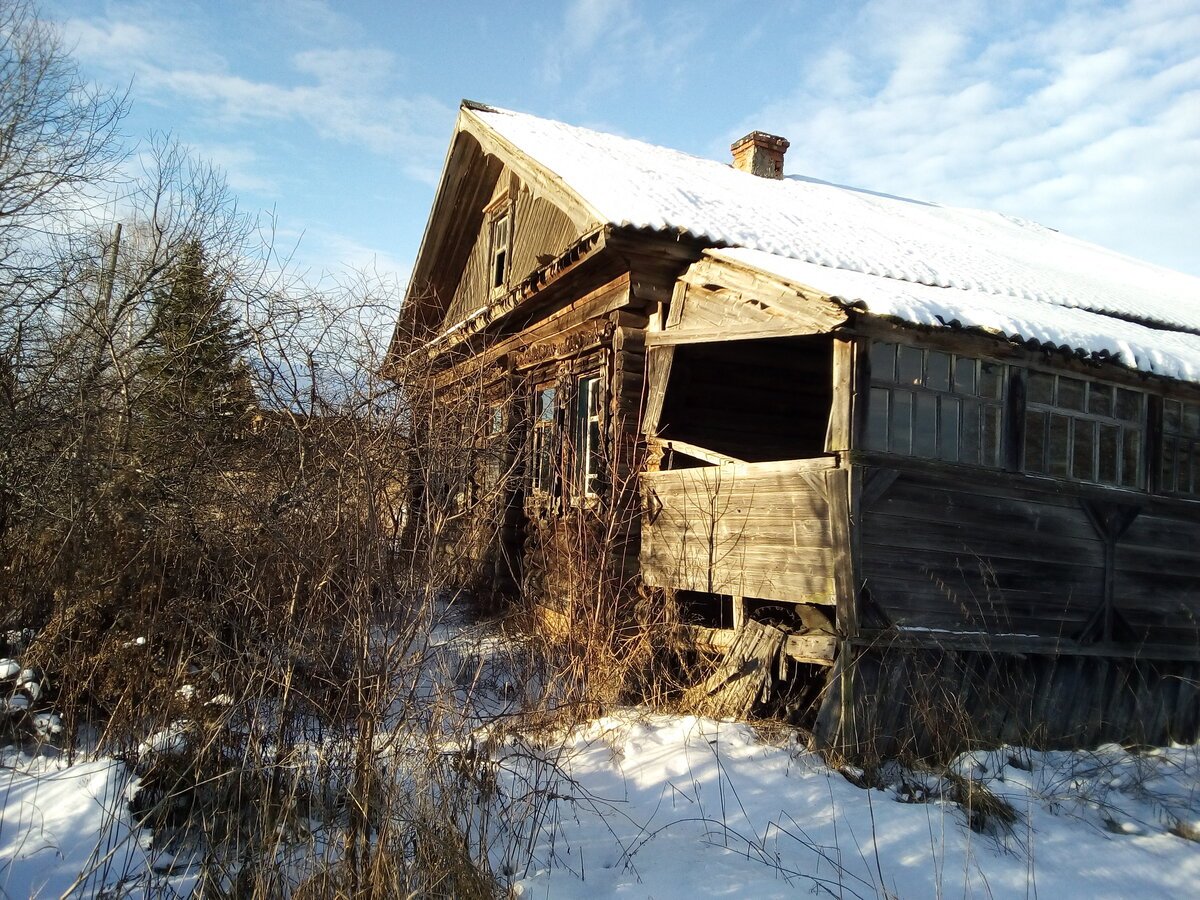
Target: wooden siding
point(1156, 590)
point(959, 554)
point(540, 231)
point(934, 702)
point(1014, 555)
point(756, 530)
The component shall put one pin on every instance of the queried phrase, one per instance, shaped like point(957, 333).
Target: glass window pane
point(1167, 473)
point(1194, 485)
point(1191, 419)
point(937, 371)
point(991, 435)
point(1083, 454)
point(1100, 399)
point(1035, 441)
point(1172, 416)
point(968, 449)
point(546, 404)
point(908, 365)
point(1129, 405)
point(1040, 388)
point(883, 362)
point(902, 422)
point(593, 453)
point(1131, 457)
point(1071, 392)
point(925, 426)
point(1109, 435)
point(964, 376)
point(948, 430)
point(991, 380)
point(877, 419)
point(1058, 445)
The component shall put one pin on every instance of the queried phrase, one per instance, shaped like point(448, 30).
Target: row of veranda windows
point(937, 405)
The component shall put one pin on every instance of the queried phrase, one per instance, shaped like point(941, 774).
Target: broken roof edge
point(1171, 354)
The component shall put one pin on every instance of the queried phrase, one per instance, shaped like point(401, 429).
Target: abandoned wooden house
point(953, 456)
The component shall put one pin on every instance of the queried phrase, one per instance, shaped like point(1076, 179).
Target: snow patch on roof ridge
point(639, 185)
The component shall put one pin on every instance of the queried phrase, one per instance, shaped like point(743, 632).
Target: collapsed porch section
point(974, 542)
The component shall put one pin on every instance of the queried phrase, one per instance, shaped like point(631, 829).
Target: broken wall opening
point(754, 400)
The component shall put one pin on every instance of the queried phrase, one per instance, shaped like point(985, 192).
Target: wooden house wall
point(760, 530)
point(1156, 578)
point(539, 229)
point(962, 553)
point(1013, 555)
point(934, 701)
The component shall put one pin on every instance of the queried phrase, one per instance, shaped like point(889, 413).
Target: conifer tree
point(196, 382)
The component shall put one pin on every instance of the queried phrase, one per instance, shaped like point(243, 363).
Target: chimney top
point(760, 154)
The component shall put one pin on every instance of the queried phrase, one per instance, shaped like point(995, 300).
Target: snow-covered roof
point(923, 262)
point(1174, 354)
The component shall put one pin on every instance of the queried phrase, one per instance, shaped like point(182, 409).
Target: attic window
point(501, 249)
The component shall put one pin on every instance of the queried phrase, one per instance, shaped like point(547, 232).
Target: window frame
point(544, 449)
point(1084, 414)
point(587, 432)
point(501, 221)
point(927, 393)
point(1180, 447)
point(1142, 433)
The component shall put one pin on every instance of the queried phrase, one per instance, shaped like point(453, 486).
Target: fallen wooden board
point(743, 676)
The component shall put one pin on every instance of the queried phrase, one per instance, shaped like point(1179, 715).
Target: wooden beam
point(702, 453)
point(1021, 644)
point(813, 648)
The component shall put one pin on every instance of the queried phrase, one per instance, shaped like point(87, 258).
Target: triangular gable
point(450, 276)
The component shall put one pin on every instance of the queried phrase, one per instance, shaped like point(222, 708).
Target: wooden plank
point(658, 372)
point(755, 530)
point(816, 649)
point(838, 494)
point(743, 677)
point(702, 453)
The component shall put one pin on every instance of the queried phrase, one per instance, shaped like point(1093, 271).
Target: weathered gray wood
point(744, 675)
point(754, 530)
point(701, 453)
point(658, 371)
point(727, 301)
point(837, 490)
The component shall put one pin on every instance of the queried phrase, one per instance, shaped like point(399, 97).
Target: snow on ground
point(64, 829)
point(677, 807)
point(642, 805)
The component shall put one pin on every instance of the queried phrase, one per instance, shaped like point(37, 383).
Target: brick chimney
point(760, 154)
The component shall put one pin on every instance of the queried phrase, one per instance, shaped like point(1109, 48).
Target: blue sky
point(336, 116)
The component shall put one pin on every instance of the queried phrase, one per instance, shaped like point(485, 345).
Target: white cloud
point(347, 94)
point(1086, 118)
point(604, 47)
